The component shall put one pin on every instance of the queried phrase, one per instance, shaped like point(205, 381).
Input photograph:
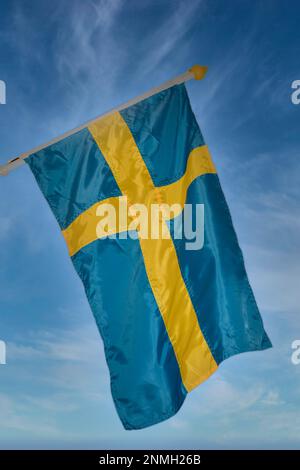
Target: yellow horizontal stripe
point(83, 230)
point(119, 149)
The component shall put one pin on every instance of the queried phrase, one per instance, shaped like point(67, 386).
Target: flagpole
point(196, 72)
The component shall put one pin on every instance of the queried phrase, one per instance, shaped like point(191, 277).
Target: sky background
point(66, 62)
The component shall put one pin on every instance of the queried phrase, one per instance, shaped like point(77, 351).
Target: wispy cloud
point(224, 397)
point(167, 39)
point(272, 398)
point(82, 345)
point(14, 416)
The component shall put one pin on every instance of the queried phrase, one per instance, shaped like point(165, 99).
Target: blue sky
point(66, 62)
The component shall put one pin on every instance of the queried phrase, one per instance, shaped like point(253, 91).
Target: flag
point(168, 314)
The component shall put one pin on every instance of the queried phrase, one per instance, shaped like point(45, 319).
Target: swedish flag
point(168, 316)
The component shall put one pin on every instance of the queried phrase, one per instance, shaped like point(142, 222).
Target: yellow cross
point(120, 151)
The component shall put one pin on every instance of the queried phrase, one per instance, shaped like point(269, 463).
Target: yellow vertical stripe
point(119, 149)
